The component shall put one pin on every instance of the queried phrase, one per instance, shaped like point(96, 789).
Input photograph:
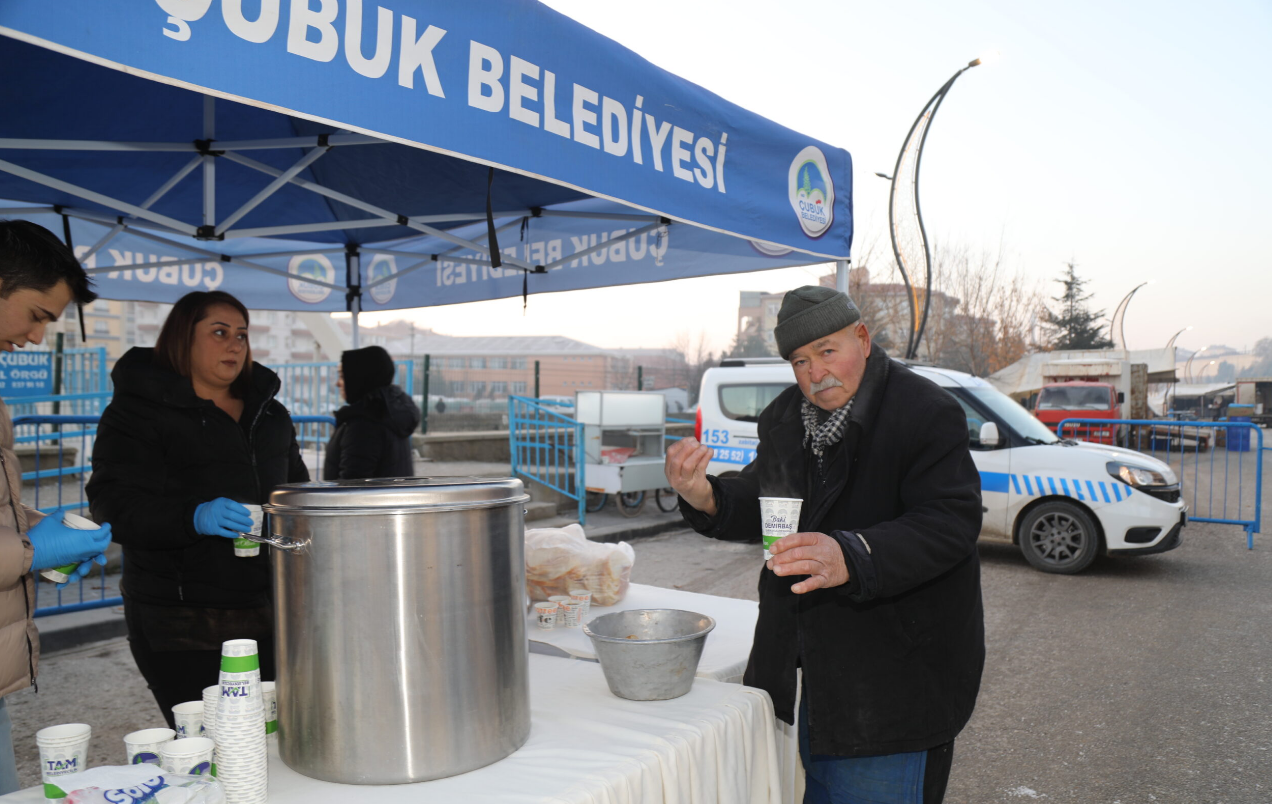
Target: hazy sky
point(1131, 137)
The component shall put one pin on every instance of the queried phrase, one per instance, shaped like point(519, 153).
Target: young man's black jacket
point(892, 660)
point(160, 452)
point(373, 437)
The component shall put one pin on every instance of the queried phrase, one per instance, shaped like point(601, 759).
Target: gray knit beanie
point(810, 313)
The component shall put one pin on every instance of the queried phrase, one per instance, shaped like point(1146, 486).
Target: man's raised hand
point(686, 469)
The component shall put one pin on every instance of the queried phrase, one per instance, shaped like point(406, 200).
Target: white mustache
point(830, 381)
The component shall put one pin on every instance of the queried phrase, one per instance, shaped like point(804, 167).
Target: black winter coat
point(891, 660)
point(373, 437)
point(160, 452)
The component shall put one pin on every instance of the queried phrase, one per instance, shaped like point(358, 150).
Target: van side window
point(974, 422)
point(744, 403)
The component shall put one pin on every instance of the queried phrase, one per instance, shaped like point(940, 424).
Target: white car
point(1062, 501)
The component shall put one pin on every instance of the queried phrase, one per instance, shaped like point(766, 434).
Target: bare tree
point(698, 358)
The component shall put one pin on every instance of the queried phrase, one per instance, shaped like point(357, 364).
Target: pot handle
point(289, 545)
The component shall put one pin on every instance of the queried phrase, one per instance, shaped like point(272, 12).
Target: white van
point(1062, 501)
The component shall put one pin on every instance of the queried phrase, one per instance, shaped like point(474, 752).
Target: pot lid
point(400, 492)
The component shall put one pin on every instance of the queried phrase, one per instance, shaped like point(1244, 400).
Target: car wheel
point(1059, 537)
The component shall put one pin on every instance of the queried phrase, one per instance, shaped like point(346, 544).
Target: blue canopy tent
point(330, 155)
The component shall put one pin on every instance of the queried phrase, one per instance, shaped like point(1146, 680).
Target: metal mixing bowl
point(649, 654)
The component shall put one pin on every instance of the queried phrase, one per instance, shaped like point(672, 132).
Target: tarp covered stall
point(330, 154)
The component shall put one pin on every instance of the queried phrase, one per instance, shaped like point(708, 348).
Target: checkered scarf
point(828, 432)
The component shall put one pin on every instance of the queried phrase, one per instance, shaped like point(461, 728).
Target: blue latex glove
point(83, 569)
point(222, 517)
point(57, 545)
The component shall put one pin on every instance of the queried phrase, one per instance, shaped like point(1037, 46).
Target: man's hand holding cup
point(686, 469)
point(813, 554)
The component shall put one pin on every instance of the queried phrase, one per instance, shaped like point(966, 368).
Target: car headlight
point(1137, 476)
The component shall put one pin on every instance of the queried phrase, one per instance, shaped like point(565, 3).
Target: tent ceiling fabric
point(379, 113)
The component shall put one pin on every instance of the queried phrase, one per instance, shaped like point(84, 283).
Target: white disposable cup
point(143, 746)
point(270, 693)
point(244, 548)
point(188, 718)
point(191, 756)
point(779, 517)
point(582, 596)
point(546, 615)
point(560, 601)
point(571, 618)
point(63, 574)
point(211, 700)
point(63, 751)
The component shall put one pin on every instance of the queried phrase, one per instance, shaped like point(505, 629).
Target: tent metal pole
point(353, 292)
point(271, 188)
point(604, 245)
point(28, 211)
point(209, 162)
point(21, 144)
point(374, 210)
point(149, 202)
point(89, 195)
point(369, 223)
point(394, 277)
point(841, 276)
point(600, 216)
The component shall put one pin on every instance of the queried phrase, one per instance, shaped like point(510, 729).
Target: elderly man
point(877, 599)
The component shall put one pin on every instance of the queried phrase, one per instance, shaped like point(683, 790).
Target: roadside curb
point(62, 632)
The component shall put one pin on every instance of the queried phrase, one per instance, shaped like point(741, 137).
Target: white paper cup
point(582, 596)
point(560, 601)
point(191, 756)
point(270, 693)
point(188, 718)
point(570, 617)
point(63, 574)
point(779, 516)
point(211, 700)
point(143, 746)
point(63, 751)
point(545, 615)
point(246, 548)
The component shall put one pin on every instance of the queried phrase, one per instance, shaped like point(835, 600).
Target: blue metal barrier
point(546, 446)
point(63, 446)
point(1213, 485)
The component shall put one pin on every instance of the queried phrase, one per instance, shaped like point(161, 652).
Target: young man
point(39, 277)
point(877, 599)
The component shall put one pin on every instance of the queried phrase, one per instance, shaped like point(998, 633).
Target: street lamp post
point(909, 160)
point(1116, 324)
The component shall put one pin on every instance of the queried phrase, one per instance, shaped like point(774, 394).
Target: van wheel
point(1059, 537)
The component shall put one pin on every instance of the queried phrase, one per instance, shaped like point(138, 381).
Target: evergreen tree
point(1075, 325)
point(750, 344)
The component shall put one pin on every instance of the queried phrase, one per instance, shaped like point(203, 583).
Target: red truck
point(1076, 399)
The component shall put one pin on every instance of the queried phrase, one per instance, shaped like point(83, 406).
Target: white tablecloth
point(723, 657)
point(716, 745)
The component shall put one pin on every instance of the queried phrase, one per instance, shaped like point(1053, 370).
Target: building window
point(477, 362)
point(477, 387)
point(101, 327)
point(498, 388)
point(518, 363)
point(518, 387)
point(456, 387)
point(498, 362)
point(455, 362)
point(101, 306)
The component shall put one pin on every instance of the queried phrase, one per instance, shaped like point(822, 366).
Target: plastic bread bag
point(139, 784)
point(561, 559)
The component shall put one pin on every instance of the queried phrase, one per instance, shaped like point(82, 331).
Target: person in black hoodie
point(193, 432)
point(373, 431)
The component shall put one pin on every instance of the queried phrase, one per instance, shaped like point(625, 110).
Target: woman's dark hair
point(32, 257)
point(176, 339)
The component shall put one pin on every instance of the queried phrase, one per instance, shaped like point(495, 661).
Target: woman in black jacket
point(373, 431)
point(193, 432)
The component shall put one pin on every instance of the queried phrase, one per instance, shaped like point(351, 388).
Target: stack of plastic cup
point(63, 751)
point(211, 700)
point(271, 707)
point(241, 757)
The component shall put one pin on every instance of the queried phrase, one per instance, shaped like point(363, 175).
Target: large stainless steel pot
point(402, 652)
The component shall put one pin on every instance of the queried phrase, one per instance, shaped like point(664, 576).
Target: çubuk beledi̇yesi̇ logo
point(812, 191)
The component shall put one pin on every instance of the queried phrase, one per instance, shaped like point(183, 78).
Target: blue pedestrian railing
point(1220, 482)
point(546, 446)
point(55, 453)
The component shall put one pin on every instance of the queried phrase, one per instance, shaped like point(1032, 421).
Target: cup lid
point(423, 493)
